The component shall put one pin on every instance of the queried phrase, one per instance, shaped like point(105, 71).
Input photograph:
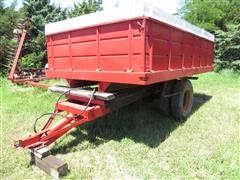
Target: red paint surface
point(17, 55)
point(138, 51)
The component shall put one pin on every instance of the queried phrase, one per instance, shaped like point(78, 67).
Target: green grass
point(135, 142)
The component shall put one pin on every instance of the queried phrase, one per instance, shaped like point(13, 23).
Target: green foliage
point(1, 5)
point(206, 14)
point(85, 7)
point(8, 20)
point(33, 60)
point(232, 13)
point(3, 43)
point(228, 48)
point(38, 13)
point(211, 15)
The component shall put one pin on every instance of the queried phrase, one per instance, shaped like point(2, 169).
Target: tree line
point(221, 17)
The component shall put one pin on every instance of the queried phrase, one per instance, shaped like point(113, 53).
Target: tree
point(232, 13)
point(8, 20)
point(206, 14)
point(211, 15)
point(228, 48)
point(1, 5)
point(38, 14)
point(85, 7)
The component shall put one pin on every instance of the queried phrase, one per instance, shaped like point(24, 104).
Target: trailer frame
point(76, 113)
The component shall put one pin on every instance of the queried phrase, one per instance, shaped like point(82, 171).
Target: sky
point(169, 6)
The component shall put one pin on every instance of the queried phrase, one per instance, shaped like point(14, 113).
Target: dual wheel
point(179, 105)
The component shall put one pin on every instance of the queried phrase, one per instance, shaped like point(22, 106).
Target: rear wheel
point(181, 104)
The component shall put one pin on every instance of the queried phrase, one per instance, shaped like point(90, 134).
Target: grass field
point(137, 142)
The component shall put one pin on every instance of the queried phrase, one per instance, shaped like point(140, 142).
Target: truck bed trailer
point(113, 59)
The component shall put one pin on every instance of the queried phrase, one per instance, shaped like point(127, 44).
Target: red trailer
point(113, 59)
point(140, 51)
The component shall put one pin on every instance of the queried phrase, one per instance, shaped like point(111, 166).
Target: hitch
point(76, 114)
point(50, 133)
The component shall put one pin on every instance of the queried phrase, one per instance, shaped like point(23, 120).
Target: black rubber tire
point(181, 104)
point(164, 105)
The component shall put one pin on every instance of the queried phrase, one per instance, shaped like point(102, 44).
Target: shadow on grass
point(140, 122)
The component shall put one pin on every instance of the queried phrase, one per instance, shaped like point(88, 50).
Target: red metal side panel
point(172, 49)
point(138, 51)
point(115, 47)
point(83, 45)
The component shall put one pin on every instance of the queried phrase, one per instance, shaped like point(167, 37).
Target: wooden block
point(52, 166)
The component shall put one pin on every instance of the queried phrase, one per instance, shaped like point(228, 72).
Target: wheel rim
point(187, 100)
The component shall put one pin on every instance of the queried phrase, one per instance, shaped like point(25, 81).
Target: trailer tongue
point(75, 115)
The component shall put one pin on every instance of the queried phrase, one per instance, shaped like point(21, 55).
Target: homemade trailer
point(18, 74)
point(113, 59)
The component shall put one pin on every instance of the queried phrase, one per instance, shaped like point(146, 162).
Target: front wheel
point(181, 104)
